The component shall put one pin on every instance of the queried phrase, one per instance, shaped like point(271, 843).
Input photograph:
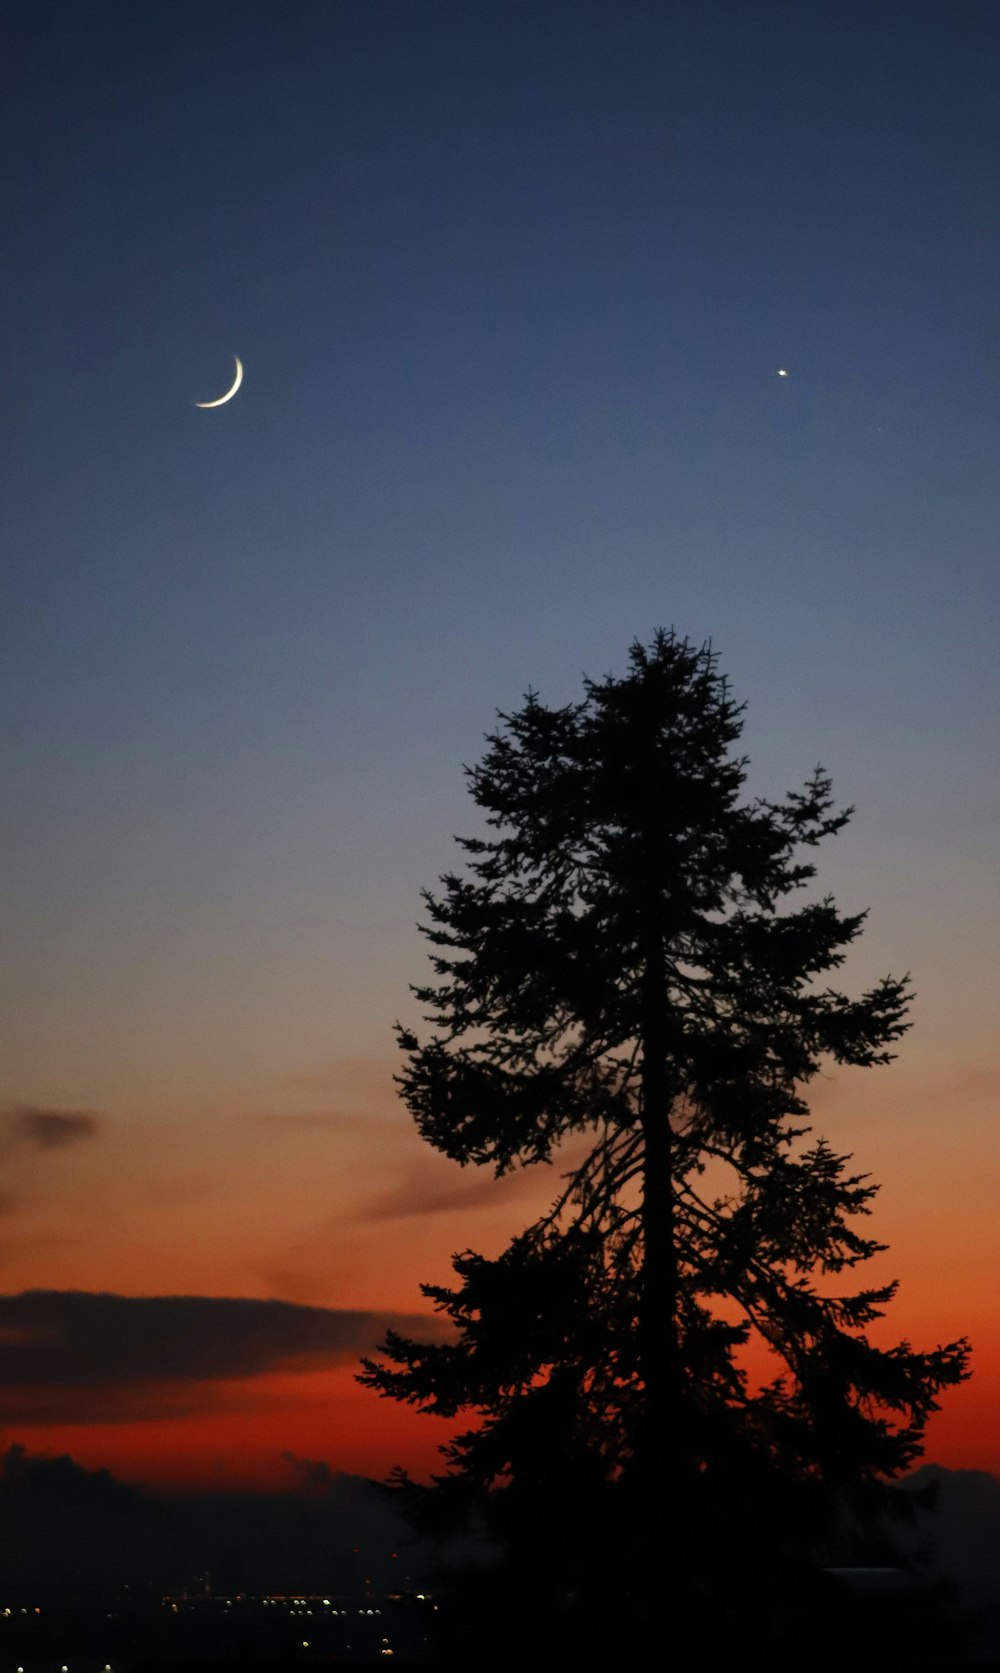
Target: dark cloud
point(45, 1129)
point(66, 1530)
point(25, 1475)
point(69, 1531)
point(310, 1475)
point(73, 1356)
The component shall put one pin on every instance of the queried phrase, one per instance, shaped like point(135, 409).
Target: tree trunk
point(662, 1439)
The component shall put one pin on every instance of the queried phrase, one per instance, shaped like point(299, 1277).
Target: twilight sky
point(511, 283)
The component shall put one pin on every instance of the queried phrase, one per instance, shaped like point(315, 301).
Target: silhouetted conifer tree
point(625, 978)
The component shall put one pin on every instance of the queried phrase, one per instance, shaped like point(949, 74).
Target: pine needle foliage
point(634, 970)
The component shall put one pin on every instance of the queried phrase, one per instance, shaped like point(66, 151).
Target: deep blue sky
point(511, 283)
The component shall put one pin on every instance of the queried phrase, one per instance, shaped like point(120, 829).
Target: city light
point(188, 1614)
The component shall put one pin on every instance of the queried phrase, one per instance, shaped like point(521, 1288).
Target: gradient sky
point(511, 282)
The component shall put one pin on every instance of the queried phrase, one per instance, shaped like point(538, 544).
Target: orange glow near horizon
point(319, 1417)
point(331, 1200)
point(327, 1417)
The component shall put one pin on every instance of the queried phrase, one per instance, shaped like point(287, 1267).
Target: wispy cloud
point(369, 1078)
point(328, 1121)
point(427, 1189)
point(289, 1283)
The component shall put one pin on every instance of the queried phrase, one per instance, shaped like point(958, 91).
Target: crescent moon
point(229, 392)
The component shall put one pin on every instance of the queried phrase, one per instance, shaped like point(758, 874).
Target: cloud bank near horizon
point(70, 1356)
